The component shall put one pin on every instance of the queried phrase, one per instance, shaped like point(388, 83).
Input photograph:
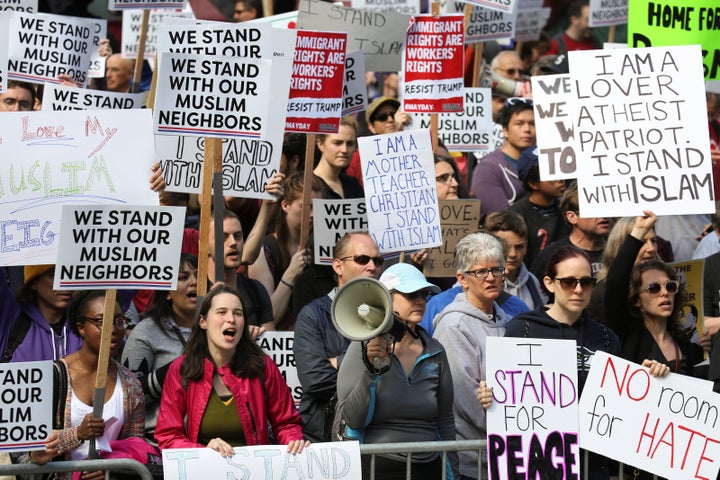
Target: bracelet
point(289, 285)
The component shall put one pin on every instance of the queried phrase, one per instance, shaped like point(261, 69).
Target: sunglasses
point(412, 296)
point(120, 323)
point(382, 117)
point(446, 178)
point(484, 272)
point(570, 283)
point(510, 71)
point(362, 259)
point(516, 100)
point(655, 288)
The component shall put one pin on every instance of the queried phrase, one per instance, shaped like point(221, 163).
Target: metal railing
point(124, 464)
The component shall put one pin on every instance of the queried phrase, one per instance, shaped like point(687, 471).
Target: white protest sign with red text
point(433, 64)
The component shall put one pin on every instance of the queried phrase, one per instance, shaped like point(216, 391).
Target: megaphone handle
point(379, 365)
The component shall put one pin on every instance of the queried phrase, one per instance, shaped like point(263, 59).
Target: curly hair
point(79, 306)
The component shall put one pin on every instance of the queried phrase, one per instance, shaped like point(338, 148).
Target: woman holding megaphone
point(398, 388)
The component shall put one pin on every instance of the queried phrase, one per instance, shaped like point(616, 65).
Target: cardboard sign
point(407, 7)
point(4, 27)
point(433, 65)
point(114, 5)
point(211, 96)
point(331, 220)
point(26, 409)
point(316, 86)
point(279, 345)
point(642, 131)
point(26, 6)
point(399, 179)
point(457, 219)
point(132, 24)
point(354, 89)
point(529, 23)
point(128, 247)
point(63, 97)
point(97, 63)
point(74, 158)
point(379, 35)
point(608, 12)
point(666, 426)
point(532, 423)
point(677, 22)
point(485, 23)
point(336, 460)
point(43, 46)
point(554, 126)
point(467, 130)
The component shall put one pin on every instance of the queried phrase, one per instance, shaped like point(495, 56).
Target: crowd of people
point(187, 371)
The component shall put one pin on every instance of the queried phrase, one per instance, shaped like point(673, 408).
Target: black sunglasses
point(382, 117)
point(655, 288)
point(570, 283)
point(362, 259)
point(412, 296)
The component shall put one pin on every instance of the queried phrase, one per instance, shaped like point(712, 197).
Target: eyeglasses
point(24, 105)
point(382, 117)
point(670, 287)
point(446, 178)
point(484, 272)
point(516, 100)
point(412, 296)
point(510, 71)
point(570, 283)
point(121, 322)
point(362, 259)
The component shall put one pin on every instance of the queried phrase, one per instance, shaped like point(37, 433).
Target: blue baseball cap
point(405, 278)
point(528, 159)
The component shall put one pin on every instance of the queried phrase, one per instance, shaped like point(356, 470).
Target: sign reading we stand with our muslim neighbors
point(433, 64)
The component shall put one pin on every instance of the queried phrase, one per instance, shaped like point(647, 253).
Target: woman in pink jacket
point(224, 387)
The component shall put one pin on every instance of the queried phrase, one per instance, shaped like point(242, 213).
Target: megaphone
point(362, 309)
point(500, 85)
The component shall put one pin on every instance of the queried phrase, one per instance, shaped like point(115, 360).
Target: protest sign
point(380, 36)
point(433, 64)
point(484, 23)
point(97, 63)
point(132, 24)
point(641, 131)
point(281, 20)
point(401, 198)
point(4, 27)
point(316, 86)
point(690, 272)
point(243, 40)
point(212, 96)
point(332, 460)
point(279, 345)
point(43, 46)
point(123, 247)
point(354, 89)
point(26, 409)
point(608, 12)
point(678, 22)
point(114, 5)
point(63, 97)
point(532, 423)
point(73, 157)
point(466, 130)
point(331, 220)
point(27, 6)
point(666, 426)
point(507, 6)
point(554, 126)
point(457, 219)
point(529, 23)
point(407, 7)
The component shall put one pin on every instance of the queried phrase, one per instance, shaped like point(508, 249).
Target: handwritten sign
point(407, 7)
point(27, 405)
point(145, 4)
point(132, 24)
point(44, 46)
point(554, 126)
point(380, 36)
point(62, 97)
point(27, 6)
point(316, 86)
point(606, 12)
point(354, 89)
point(485, 23)
point(333, 460)
point(331, 220)
point(532, 423)
point(399, 179)
point(457, 219)
point(641, 129)
point(128, 247)
point(666, 426)
point(433, 64)
point(279, 345)
point(529, 23)
point(467, 130)
point(677, 22)
point(73, 157)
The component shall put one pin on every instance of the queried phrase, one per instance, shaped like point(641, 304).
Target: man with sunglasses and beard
point(318, 346)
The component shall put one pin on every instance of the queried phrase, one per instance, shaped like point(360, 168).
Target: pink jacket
point(254, 405)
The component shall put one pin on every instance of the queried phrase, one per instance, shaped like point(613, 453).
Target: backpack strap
point(18, 332)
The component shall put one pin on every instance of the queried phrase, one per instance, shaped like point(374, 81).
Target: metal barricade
point(124, 464)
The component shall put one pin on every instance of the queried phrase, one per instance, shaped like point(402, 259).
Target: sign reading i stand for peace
point(132, 24)
point(43, 46)
point(667, 426)
point(27, 6)
point(26, 408)
point(331, 220)
point(126, 247)
point(532, 423)
point(466, 130)
point(433, 64)
point(63, 97)
point(608, 12)
point(212, 96)
point(145, 4)
point(401, 197)
point(485, 23)
point(642, 131)
point(316, 87)
point(354, 89)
